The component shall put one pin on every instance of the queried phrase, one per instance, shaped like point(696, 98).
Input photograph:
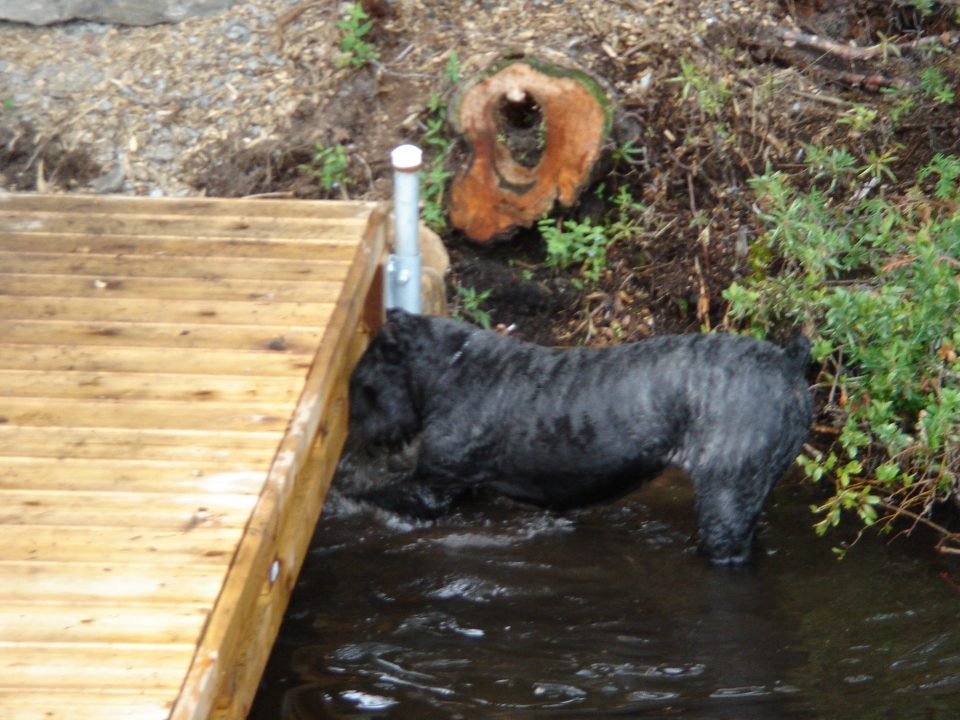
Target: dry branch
point(794, 48)
point(852, 52)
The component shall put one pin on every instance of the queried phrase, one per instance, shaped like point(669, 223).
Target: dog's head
point(383, 410)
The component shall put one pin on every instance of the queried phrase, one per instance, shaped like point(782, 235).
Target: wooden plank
point(108, 443)
point(143, 386)
point(189, 361)
point(229, 661)
point(154, 288)
point(291, 544)
point(74, 543)
point(168, 511)
point(151, 354)
point(199, 414)
point(264, 228)
point(83, 667)
point(59, 623)
point(196, 207)
point(331, 248)
point(228, 475)
point(279, 314)
point(81, 704)
point(230, 268)
point(297, 340)
point(104, 584)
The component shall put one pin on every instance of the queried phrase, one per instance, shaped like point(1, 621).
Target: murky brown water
point(501, 611)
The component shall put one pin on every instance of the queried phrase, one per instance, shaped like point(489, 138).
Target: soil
point(235, 105)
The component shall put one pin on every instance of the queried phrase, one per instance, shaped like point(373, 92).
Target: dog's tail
point(797, 352)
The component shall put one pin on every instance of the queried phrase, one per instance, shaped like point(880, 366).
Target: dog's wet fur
point(567, 428)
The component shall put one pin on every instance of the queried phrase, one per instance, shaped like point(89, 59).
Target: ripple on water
point(740, 692)
point(367, 701)
point(557, 691)
point(507, 612)
point(650, 696)
point(472, 589)
point(633, 670)
point(437, 623)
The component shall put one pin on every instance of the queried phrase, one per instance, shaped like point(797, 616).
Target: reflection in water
point(502, 611)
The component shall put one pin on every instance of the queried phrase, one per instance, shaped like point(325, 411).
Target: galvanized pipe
point(403, 265)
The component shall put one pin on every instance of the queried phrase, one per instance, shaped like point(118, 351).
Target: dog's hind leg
point(727, 512)
point(731, 489)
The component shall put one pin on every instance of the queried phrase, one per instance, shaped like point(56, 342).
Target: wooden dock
point(173, 379)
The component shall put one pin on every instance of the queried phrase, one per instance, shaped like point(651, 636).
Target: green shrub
point(878, 280)
point(571, 243)
point(469, 308)
point(357, 52)
point(436, 174)
point(330, 165)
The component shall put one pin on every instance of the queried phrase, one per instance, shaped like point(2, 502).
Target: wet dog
point(567, 428)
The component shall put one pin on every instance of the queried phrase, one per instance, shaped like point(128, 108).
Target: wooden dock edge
point(236, 643)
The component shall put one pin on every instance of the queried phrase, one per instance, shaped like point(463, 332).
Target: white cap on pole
point(407, 158)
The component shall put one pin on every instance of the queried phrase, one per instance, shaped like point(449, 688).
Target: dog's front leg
point(412, 498)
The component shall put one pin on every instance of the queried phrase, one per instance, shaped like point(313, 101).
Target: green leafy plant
point(572, 243)
point(7, 104)
point(860, 118)
point(357, 52)
point(878, 165)
point(470, 301)
point(902, 108)
point(629, 152)
point(436, 176)
point(330, 165)
point(888, 46)
point(452, 70)
point(947, 170)
point(626, 218)
point(876, 280)
point(711, 94)
point(835, 164)
point(935, 85)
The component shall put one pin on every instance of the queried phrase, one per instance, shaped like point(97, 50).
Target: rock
point(433, 293)
point(122, 12)
point(435, 263)
point(111, 181)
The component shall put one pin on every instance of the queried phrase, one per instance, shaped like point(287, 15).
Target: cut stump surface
point(535, 132)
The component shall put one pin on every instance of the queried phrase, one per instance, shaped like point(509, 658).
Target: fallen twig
point(852, 52)
point(773, 46)
point(828, 99)
point(294, 13)
point(291, 16)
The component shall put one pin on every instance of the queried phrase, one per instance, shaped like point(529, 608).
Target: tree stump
point(535, 131)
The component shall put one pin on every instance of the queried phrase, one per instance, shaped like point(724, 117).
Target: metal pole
point(403, 265)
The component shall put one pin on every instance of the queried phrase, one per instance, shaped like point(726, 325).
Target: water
point(502, 611)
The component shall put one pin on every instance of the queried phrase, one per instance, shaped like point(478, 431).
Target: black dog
point(566, 428)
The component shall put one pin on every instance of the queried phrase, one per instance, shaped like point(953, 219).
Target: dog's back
point(586, 425)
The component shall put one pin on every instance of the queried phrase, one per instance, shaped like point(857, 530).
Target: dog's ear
point(401, 318)
point(396, 314)
point(391, 335)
